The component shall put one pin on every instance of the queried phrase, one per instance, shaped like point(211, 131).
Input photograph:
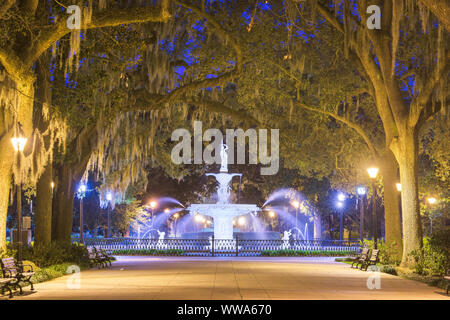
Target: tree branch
point(441, 9)
point(4, 7)
point(106, 18)
point(349, 123)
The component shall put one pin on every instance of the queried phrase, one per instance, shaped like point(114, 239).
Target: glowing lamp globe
point(373, 172)
point(18, 143)
point(271, 214)
point(432, 200)
point(295, 204)
point(361, 191)
point(341, 197)
point(152, 204)
point(398, 186)
point(109, 196)
point(241, 221)
point(166, 210)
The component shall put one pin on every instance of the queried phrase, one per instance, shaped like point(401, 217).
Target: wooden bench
point(15, 271)
point(4, 284)
point(103, 256)
point(361, 258)
point(93, 258)
point(373, 260)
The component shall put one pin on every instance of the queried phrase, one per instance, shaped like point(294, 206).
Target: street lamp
point(296, 205)
point(340, 206)
point(176, 215)
point(18, 145)
point(432, 201)
point(361, 193)
point(373, 172)
point(109, 199)
point(81, 195)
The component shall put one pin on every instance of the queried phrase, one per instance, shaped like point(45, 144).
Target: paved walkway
point(231, 278)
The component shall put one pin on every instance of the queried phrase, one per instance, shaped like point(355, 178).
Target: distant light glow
point(18, 143)
point(398, 186)
point(199, 218)
point(241, 221)
point(295, 204)
point(82, 188)
point(341, 197)
point(361, 191)
point(432, 200)
point(52, 184)
point(271, 214)
point(153, 204)
point(109, 196)
point(176, 215)
point(166, 210)
point(339, 204)
point(373, 172)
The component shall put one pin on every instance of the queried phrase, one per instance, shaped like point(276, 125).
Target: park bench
point(103, 256)
point(93, 258)
point(373, 260)
point(447, 277)
point(361, 258)
point(4, 284)
point(14, 270)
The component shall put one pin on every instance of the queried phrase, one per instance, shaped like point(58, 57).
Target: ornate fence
point(222, 247)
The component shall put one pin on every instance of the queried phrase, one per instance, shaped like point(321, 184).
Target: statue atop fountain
point(223, 212)
point(223, 158)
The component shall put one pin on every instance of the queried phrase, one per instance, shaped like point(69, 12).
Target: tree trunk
point(406, 152)
point(63, 205)
point(392, 226)
point(43, 224)
point(5, 186)
point(317, 227)
point(23, 116)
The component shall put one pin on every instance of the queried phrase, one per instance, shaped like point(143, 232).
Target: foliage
point(388, 254)
point(430, 259)
point(52, 272)
point(57, 253)
point(149, 252)
point(305, 253)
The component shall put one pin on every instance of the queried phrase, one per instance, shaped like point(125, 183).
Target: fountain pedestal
point(223, 215)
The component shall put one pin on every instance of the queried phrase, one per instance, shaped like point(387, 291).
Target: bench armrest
point(22, 267)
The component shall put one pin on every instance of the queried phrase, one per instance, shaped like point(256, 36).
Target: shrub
point(56, 253)
point(388, 269)
point(149, 252)
point(388, 254)
point(304, 253)
point(430, 260)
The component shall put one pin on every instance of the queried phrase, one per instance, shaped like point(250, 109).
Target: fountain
point(223, 212)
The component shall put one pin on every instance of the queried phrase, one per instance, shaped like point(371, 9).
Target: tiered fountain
point(223, 212)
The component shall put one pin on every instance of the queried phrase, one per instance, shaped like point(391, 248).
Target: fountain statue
point(161, 235)
point(223, 212)
point(285, 238)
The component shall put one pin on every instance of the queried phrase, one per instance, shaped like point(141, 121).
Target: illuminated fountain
point(223, 212)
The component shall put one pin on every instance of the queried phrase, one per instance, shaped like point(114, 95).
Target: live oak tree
point(406, 64)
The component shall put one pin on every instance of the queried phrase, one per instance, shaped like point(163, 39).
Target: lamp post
point(176, 215)
point(373, 172)
point(81, 195)
point(109, 199)
point(432, 201)
point(18, 145)
point(361, 193)
point(340, 205)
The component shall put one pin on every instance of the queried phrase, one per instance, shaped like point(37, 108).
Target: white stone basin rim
point(223, 215)
point(213, 210)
